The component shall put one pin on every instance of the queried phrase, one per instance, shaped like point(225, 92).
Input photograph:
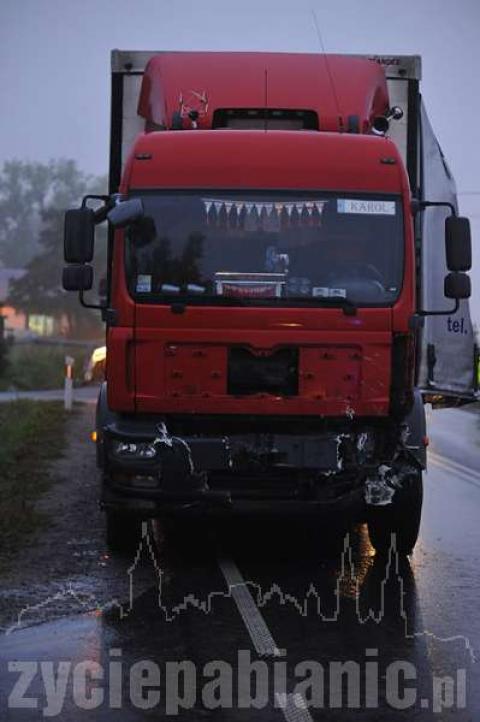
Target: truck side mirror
point(457, 286)
point(126, 212)
point(77, 277)
point(458, 244)
point(79, 233)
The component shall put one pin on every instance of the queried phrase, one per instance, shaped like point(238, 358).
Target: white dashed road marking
point(293, 706)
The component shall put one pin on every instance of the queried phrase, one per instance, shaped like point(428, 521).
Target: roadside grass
point(32, 435)
point(35, 366)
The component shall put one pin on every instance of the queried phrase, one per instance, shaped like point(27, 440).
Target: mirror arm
point(96, 306)
point(441, 313)
point(100, 214)
point(109, 315)
point(91, 196)
point(417, 205)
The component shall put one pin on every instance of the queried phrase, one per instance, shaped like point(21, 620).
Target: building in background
point(14, 321)
point(18, 324)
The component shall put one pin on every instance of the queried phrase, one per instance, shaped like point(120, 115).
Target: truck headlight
point(134, 450)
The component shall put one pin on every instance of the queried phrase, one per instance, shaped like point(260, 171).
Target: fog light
point(134, 450)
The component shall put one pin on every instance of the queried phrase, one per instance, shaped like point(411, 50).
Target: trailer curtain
point(447, 359)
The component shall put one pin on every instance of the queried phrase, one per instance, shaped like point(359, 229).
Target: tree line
point(33, 200)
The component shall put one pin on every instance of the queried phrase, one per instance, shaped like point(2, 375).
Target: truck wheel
point(123, 532)
point(401, 518)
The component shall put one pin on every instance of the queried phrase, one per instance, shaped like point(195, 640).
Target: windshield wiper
point(348, 307)
point(178, 305)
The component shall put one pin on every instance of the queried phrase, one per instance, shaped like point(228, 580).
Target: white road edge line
point(293, 706)
point(440, 459)
point(469, 475)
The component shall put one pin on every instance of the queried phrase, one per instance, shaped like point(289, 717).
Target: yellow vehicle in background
point(95, 368)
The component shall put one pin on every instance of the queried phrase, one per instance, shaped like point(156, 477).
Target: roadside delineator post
point(68, 389)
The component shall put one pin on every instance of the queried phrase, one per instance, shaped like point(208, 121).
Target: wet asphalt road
point(310, 604)
point(84, 394)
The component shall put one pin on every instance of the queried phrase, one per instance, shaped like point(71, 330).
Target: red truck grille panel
point(320, 372)
point(195, 370)
point(331, 373)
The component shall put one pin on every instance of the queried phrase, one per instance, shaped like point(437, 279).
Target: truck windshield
point(263, 248)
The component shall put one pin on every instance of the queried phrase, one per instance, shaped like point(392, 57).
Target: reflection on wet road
point(277, 621)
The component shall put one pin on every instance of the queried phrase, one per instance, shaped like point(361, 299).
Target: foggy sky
point(55, 65)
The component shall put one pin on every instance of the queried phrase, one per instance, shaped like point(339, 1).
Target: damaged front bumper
point(222, 464)
point(382, 487)
point(347, 501)
point(151, 471)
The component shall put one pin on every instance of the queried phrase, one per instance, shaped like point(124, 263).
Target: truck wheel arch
point(104, 416)
point(416, 423)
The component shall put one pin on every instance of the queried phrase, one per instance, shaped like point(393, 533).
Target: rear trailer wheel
point(123, 531)
point(401, 518)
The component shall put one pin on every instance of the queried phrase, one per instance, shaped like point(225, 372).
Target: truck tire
point(401, 518)
point(123, 532)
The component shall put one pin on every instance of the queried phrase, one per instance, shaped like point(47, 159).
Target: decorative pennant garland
point(262, 216)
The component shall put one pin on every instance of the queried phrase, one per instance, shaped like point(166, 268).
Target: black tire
point(401, 518)
point(123, 532)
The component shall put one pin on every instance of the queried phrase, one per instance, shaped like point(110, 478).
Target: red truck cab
point(279, 172)
point(263, 304)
